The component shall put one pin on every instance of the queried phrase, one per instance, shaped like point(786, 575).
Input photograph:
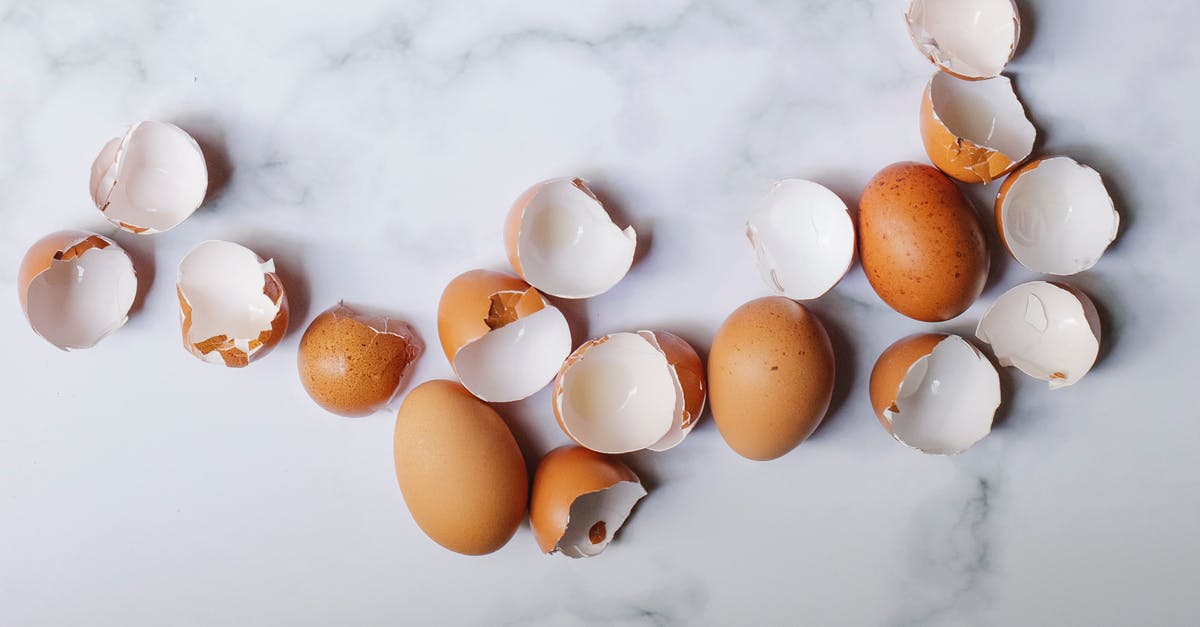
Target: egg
point(920, 242)
point(353, 363)
point(770, 375)
point(580, 499)
point(459, 469)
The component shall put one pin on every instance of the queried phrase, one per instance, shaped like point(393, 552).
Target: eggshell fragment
point(151, 179)
point(1055, 216)
point(935, 393)
point(503, 339)
point(1048, 331)
point(770, 373)
point(971, 39)
point(232, 306)
point(975, 131)
point(580, 499)
point(459, 469)
point(76, 288)
point(804, 238)
point(354, 363)
point(560, 239)
point(920, 243)
point(625, 392)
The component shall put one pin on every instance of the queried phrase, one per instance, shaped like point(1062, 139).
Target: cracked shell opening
point(1047, 331)
point(595, 518)
point(81, 289)
point(947, 399)
point(971, 39)
point(150, 180)
point(565, 242)
point(804, 239)
point(1056, 216)
point(975, 131)
point(516, 360)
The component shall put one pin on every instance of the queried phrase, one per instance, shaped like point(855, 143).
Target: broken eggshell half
point(232, 306)
point(1047, 330)
point(151, 179)
point(935, 393)
point(580, 499)
point(1055, 216)
point(76, 288)
point(975, 131)
point(803, 236)
point(970, 39)
point(626, 392)
point(560, 239)
point(502, 337)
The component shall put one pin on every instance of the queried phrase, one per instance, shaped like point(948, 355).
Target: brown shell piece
point(564, 475)
point(479, 301)
point(688, 367)
point(226, 347)
point(891, 368)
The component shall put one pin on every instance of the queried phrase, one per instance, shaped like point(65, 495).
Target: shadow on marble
point(845, 356)
point(142, 252)
point(290, 268)
point(575, 311)
point(208, 133)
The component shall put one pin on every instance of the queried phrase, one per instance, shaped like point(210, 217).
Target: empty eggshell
point(580, 499)
point(503, 339)
point(971, 39)
point(232, 306)
point(560, 239)
point(1048, 331)
point(353, 363)
point(151, 179)
point(804, 238)
point(975, 131)
point(76, 288)
point(935, 393)
point(1055, 216)
point(625, 392)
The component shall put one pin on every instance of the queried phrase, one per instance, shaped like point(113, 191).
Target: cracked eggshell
point(503, 339)
point(770, 373)
point(1048, 331)
point(76, 288)
point(560, 239)
point(232, 306)
point(151, 179)
point(970, 39)
point(975, 131)
point(580, 499)
point(354, 363)
point(920, 243)
point(803, 236)
point(459, 468)
point(1055, 216)
point(935, 393)
point(625, 392)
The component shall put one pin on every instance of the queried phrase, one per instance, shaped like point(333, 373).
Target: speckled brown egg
point(920, 242)
point(770, 376)
point(352, 363)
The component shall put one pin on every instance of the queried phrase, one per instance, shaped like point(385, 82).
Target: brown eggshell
point(770, 375)
point(891, 368)
point(225, 347)
point(57, 245)
point(920, 243)
point(459, 469)
point(563, 475)
point(690, 370)
point(957, 156)
point(353, 364)
point(467, 309)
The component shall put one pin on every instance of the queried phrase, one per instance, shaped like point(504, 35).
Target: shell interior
point(79, 300)
point(596, 516)
point(224, 284)
point(971, 38)
point(987, 113)
point(515, 360)
point(150, 180)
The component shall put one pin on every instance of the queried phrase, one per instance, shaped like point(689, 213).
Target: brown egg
point(920, 242)
point(770, 377)
point(352, 363)
point(580, 499)
point(459, 468)
point(891, 367)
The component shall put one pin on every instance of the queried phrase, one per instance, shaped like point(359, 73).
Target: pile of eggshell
point(771, 370)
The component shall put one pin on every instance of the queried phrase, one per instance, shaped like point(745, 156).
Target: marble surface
point(373, 152)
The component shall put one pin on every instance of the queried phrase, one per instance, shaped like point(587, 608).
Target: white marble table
point(373, 153)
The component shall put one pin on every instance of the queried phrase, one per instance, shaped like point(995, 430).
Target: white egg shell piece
point(803, 236)
point(1057, 217)
point(1047, 331)
point(567, 244)
point(83, 295)
point(516, 360)
point(151, 179)
point(947, 400)
point(619, 393)
point(971, 39)
point(987, 113)
point(611, 505)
